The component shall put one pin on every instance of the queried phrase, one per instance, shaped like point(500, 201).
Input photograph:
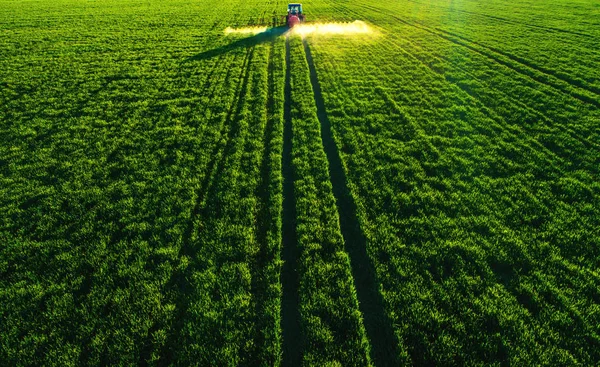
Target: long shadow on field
point(267, 36)
point(290, 280)
point(384, 344)
point(179, 282)
point(267, 227)
point(181, 279)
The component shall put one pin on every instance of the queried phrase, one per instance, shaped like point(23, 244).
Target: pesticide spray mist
point(355, 28)
point(246, 30)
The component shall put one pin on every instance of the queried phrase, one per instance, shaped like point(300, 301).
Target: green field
point(424, 194)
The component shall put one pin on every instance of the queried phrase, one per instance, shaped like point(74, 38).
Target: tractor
point(294, 15)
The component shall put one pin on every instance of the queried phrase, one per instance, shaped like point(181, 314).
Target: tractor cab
point(294, 15)
point(295, 9)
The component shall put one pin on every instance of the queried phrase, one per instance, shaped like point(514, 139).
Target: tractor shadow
point(266, 36)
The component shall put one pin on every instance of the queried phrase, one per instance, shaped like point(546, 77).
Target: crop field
point(404, 182)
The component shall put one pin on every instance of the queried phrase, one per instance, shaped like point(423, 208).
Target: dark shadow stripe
point(181, 279)
point(384, 344)
point(290, 280)
point(260, 269)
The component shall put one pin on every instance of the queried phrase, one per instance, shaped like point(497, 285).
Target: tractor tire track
point(574, 82)
point(384, 344)
point(290, 279)
point(515, 63)
point(530, 25)
point(217, 153)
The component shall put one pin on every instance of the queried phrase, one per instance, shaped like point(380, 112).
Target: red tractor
point(294, 15)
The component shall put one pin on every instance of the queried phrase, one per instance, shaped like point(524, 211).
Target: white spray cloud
point(246, 30)
point(356, 27)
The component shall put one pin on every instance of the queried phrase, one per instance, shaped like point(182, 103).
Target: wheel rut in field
point(290, 280)
point(384, 344)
